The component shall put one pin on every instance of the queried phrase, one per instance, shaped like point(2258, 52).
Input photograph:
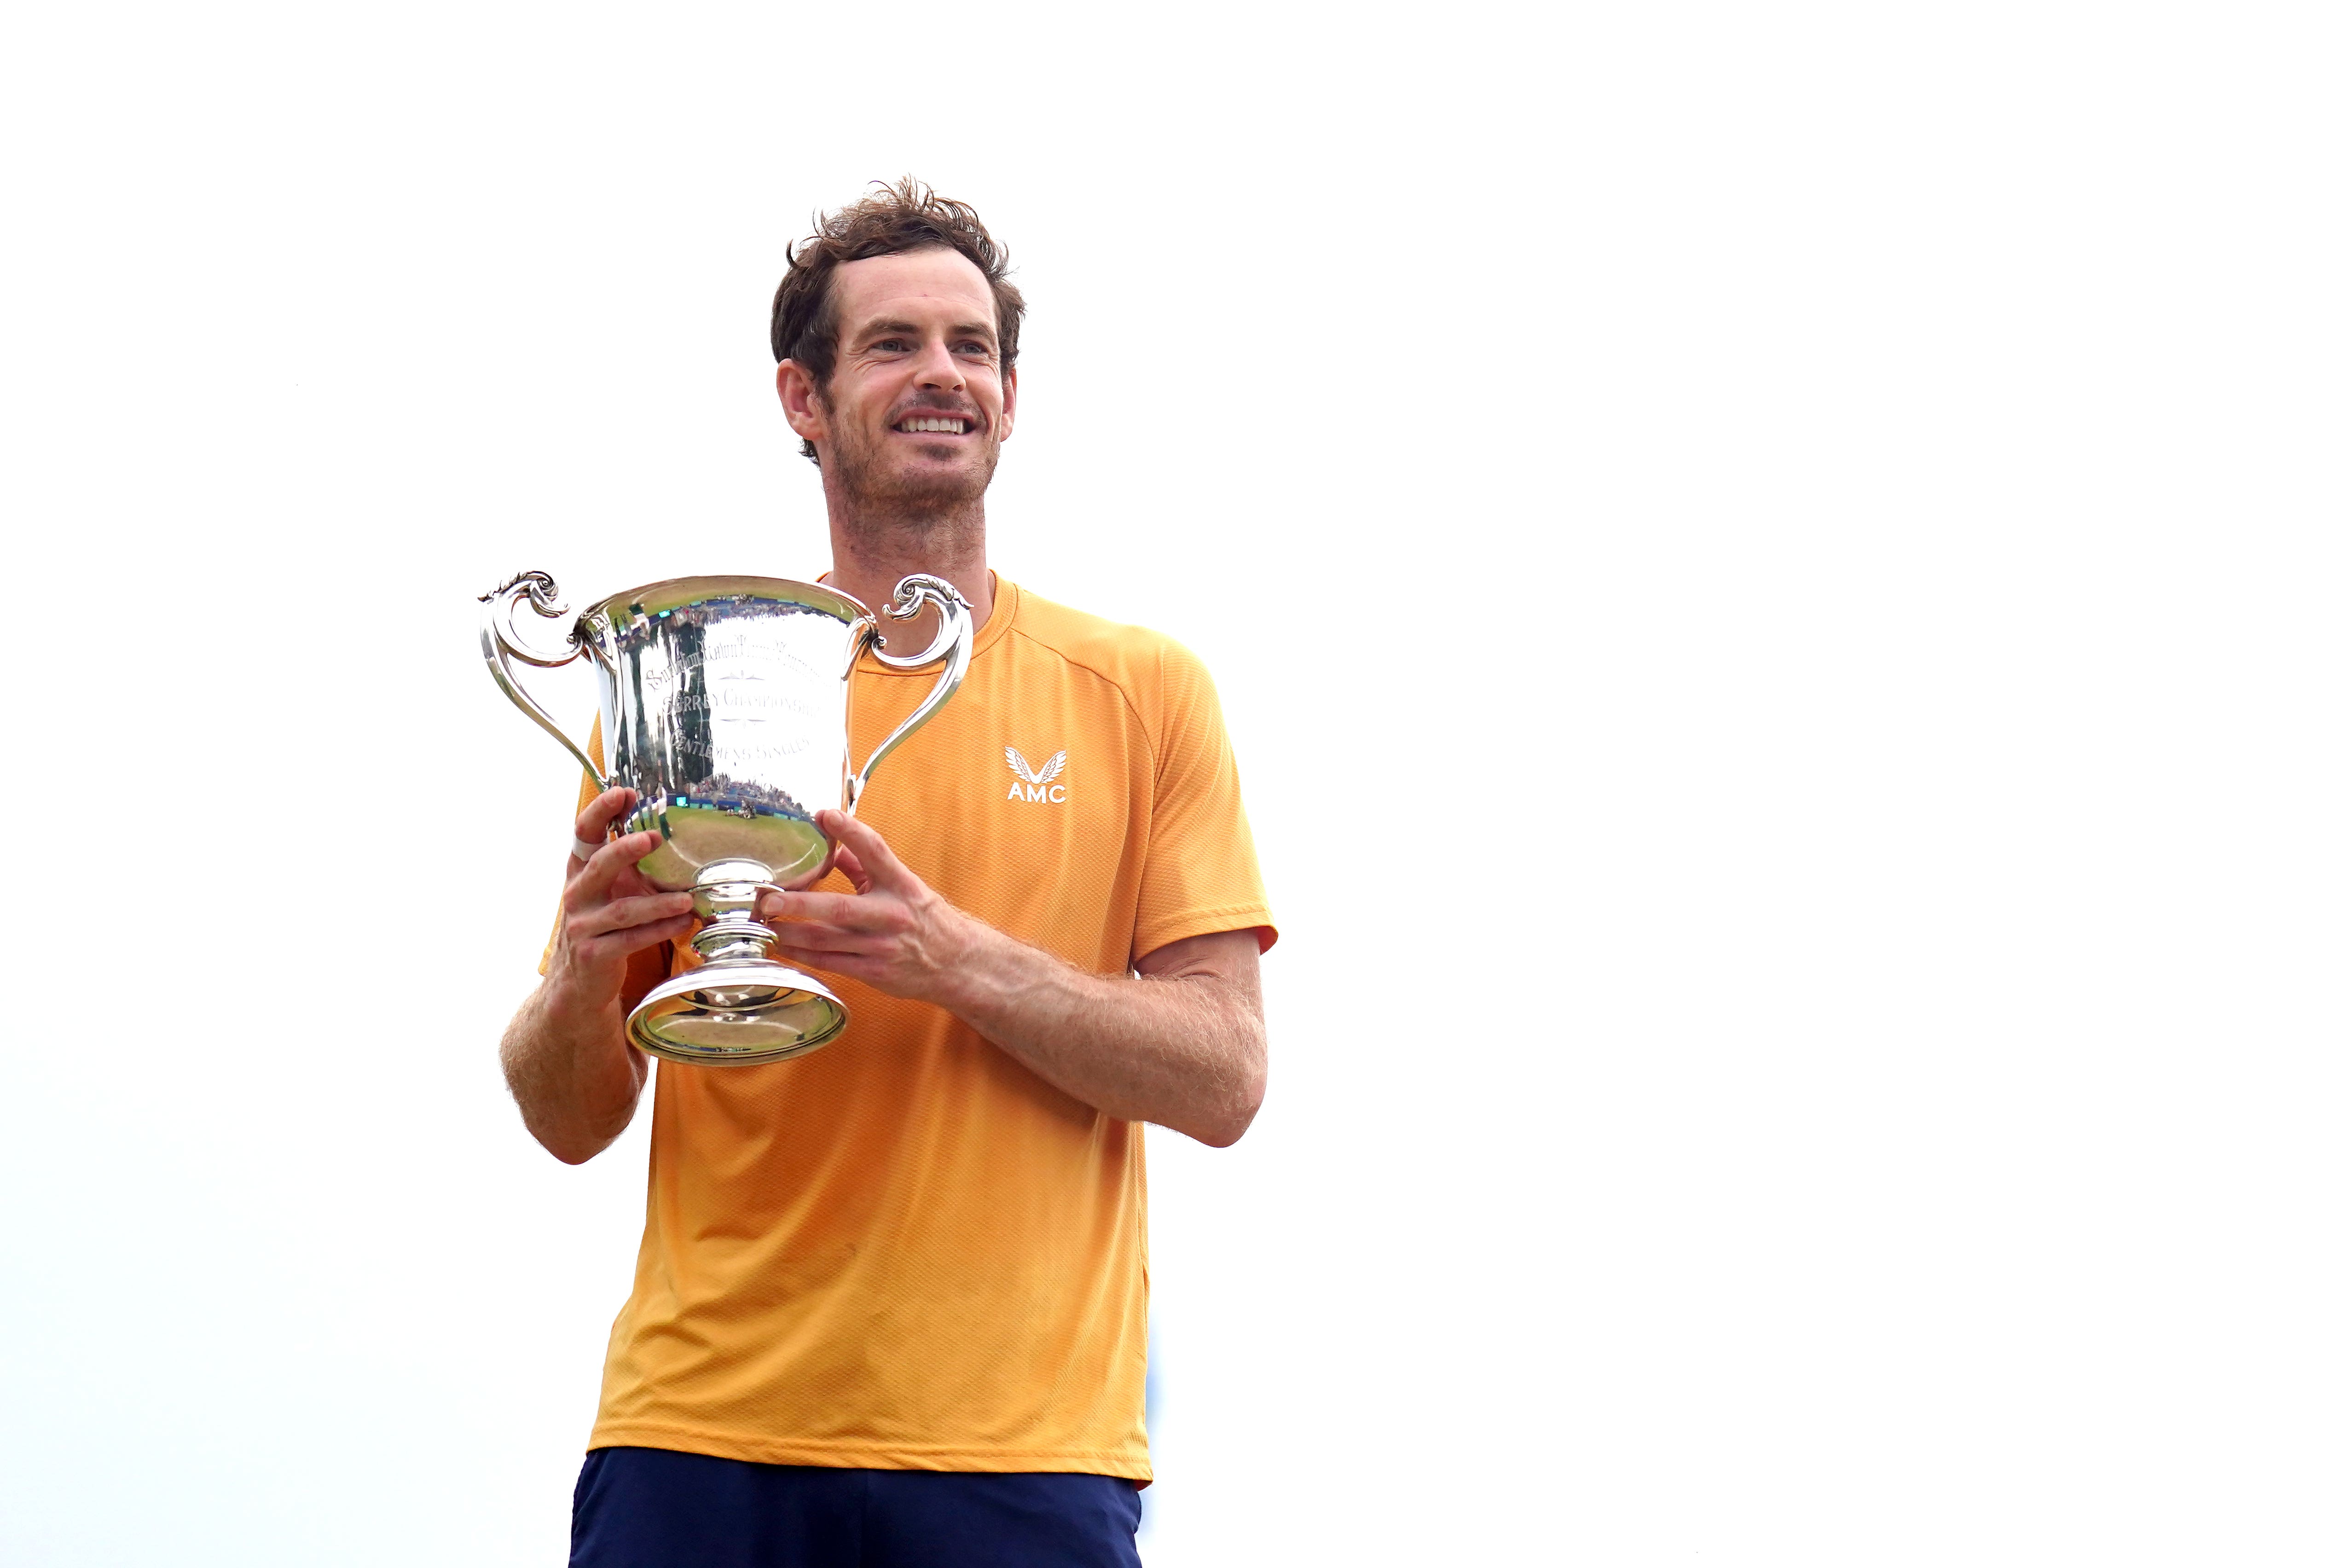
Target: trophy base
point(736, 1014)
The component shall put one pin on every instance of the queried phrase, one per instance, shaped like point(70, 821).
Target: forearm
point(1182, 1045)
point(1185, 1047)
point(573, 1074)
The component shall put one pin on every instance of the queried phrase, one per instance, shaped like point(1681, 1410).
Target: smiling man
point(890, 1303)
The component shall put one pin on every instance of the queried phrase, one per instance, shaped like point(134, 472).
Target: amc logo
point(1037, 783)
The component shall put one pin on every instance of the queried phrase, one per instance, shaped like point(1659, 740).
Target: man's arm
point(570, 1067)
point(1182, 1044)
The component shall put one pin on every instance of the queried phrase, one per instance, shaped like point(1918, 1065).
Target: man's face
point(919, 402)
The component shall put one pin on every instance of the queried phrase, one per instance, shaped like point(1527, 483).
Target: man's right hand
point(574, 1076)
point(611, 914)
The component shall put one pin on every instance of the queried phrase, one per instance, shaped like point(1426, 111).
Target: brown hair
point(891, 221)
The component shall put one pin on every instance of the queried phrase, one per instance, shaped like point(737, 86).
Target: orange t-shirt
point(907, 1250)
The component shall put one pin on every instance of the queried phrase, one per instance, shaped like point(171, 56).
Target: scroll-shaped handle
point(953, 643)
point(500, 643)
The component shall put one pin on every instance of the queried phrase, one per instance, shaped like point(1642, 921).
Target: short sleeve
point(1200, 870)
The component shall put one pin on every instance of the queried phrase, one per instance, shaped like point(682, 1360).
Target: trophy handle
point(953, 643)
point(499, 643)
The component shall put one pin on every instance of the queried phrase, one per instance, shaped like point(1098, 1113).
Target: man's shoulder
point(1137, 659)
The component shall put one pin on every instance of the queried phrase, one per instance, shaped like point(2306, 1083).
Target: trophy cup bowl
point(725, 706)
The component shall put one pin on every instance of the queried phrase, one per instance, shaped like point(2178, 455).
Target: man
point(890, 1303)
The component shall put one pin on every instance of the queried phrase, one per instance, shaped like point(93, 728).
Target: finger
point(622, 913)
point(867, 848)
point(856, 966)
point(826, 908)
point(846, 861)
point(614, 945)
point(594, 882)
point(597, 818)
point(806, 938)
point(809, 878)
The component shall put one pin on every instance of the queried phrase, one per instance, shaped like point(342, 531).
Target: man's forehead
point(931, 282)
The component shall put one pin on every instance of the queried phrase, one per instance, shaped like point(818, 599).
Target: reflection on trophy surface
point(725, 706)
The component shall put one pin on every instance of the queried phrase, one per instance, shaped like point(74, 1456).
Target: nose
point(937, 369)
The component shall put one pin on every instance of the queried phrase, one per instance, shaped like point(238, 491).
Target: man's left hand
point(895, 933)
point(1182, 1043)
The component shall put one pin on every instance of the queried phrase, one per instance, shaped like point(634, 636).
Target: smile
point(931, 425)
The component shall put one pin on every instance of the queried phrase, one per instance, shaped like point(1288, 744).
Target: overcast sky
point(1776, 576)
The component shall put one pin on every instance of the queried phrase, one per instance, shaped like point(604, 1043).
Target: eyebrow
point(960, 329)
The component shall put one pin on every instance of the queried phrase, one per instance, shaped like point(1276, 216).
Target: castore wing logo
point(1037, 783)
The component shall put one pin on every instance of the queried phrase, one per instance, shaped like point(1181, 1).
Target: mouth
point(933, 424)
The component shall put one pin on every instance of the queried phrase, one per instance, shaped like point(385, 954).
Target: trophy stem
point(725, 894)
point(738, 1006)
point(734, 938)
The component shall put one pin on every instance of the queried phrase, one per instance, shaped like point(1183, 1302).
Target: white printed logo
point(1037, 783)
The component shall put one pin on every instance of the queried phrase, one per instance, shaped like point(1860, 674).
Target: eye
point(892, 346)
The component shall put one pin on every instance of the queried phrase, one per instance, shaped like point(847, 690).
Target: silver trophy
point(726, 707)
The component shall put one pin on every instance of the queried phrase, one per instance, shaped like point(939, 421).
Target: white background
point(1777, 574)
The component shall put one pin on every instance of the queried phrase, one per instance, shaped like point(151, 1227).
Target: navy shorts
point(651, 1507)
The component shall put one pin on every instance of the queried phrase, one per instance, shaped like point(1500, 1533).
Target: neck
point(873, 548)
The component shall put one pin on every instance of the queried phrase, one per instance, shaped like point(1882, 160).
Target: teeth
point(932, 427)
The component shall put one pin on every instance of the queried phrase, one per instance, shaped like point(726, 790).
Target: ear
point(804, 410)
point(1012, 396)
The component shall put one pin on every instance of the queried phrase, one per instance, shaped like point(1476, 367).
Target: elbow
point(1226, 1135)
point(573, 1143)
point(572, 1151)
point(1224, 1127)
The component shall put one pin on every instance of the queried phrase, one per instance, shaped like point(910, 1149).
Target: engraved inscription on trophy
point(724, 703)
point(733, 704)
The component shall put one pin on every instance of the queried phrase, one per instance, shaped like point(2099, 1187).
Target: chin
point(924, 489)
point(928, 478)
